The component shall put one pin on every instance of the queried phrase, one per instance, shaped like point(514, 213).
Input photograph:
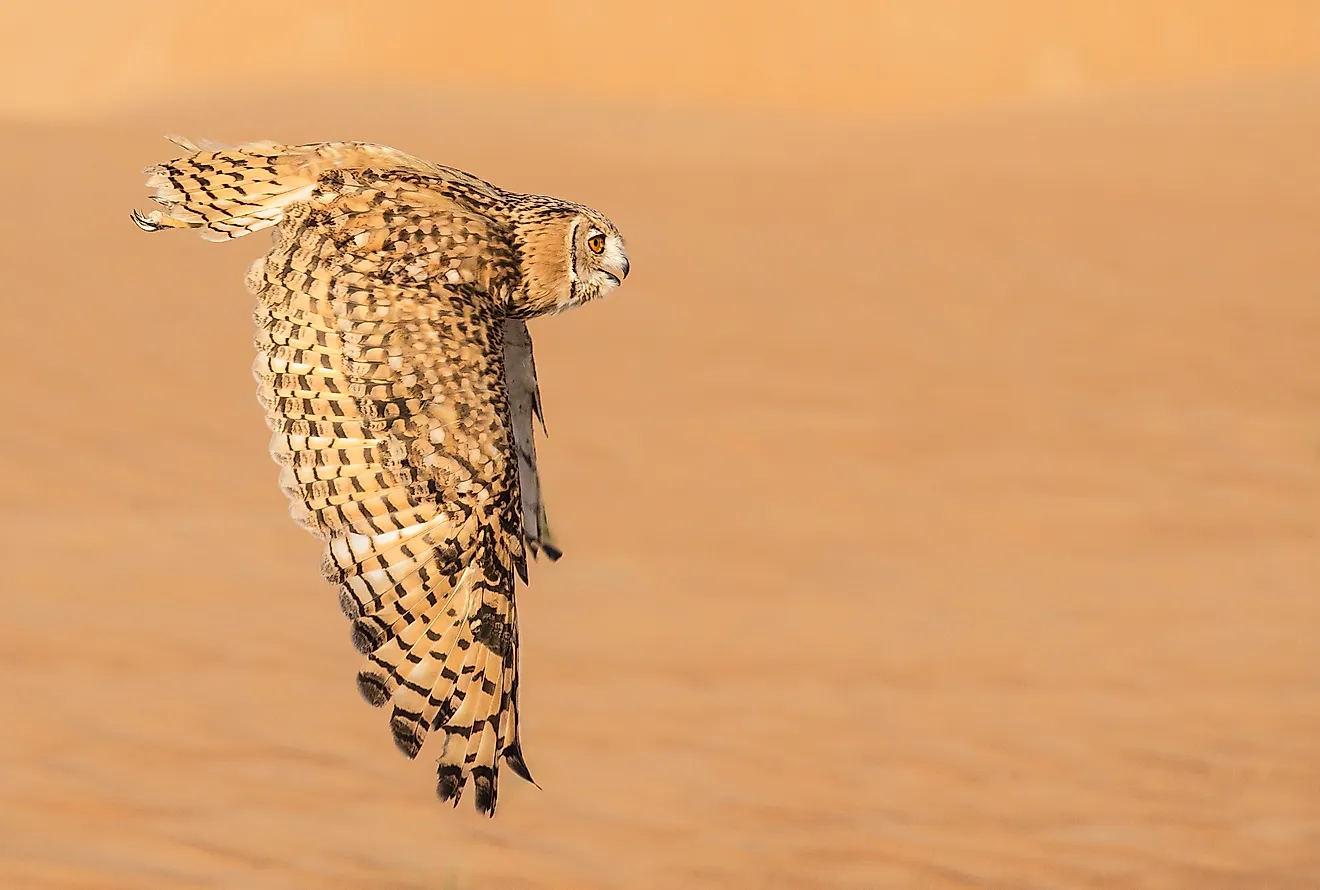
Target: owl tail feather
point(229, 192)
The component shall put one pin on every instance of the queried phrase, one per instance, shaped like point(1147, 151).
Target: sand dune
point(941, 506)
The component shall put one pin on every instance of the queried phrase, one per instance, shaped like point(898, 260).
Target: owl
point(395, 369)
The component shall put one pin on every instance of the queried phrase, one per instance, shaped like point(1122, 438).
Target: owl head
point(570, 254)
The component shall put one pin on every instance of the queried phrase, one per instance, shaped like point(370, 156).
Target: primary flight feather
point(396, 371)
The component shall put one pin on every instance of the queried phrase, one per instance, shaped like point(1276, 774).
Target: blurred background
point(859, 56)
point(940, 496)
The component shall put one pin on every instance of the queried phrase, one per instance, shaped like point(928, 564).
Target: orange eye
point(596, 243)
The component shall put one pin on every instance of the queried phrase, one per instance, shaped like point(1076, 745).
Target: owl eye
point(597, 243)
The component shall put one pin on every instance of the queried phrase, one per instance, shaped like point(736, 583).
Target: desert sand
point(940, 501)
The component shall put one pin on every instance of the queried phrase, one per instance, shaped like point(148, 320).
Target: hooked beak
point(621, 273)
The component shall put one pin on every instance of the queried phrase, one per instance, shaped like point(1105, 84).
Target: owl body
point(396, 372)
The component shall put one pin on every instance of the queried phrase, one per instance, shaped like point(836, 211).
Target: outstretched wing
point(385, 391)
point(381, 368)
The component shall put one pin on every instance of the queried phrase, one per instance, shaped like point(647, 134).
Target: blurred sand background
point(941, 495)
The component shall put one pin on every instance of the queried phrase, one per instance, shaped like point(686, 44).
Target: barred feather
point(396, 371)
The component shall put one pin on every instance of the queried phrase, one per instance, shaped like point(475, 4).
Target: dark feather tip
point(449, 783)
point(348, 604)
point(551, 551)
point(373, 688)
point(366, 636)
point(513, 756)
point(406, 737)
point(483, 784)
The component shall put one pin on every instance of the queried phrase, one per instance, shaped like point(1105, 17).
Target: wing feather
point(381, 367)
point(524, 405)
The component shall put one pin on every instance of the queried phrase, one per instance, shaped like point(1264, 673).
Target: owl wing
point(524, 406)
point(381, 368)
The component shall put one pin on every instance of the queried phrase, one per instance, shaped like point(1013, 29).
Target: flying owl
point(396, 372)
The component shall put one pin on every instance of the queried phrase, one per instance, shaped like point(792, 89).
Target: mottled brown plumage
point(396, 372)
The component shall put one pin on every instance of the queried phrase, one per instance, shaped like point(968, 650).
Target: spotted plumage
point(395, 368)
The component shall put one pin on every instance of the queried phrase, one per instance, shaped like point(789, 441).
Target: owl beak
point(618, 273)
